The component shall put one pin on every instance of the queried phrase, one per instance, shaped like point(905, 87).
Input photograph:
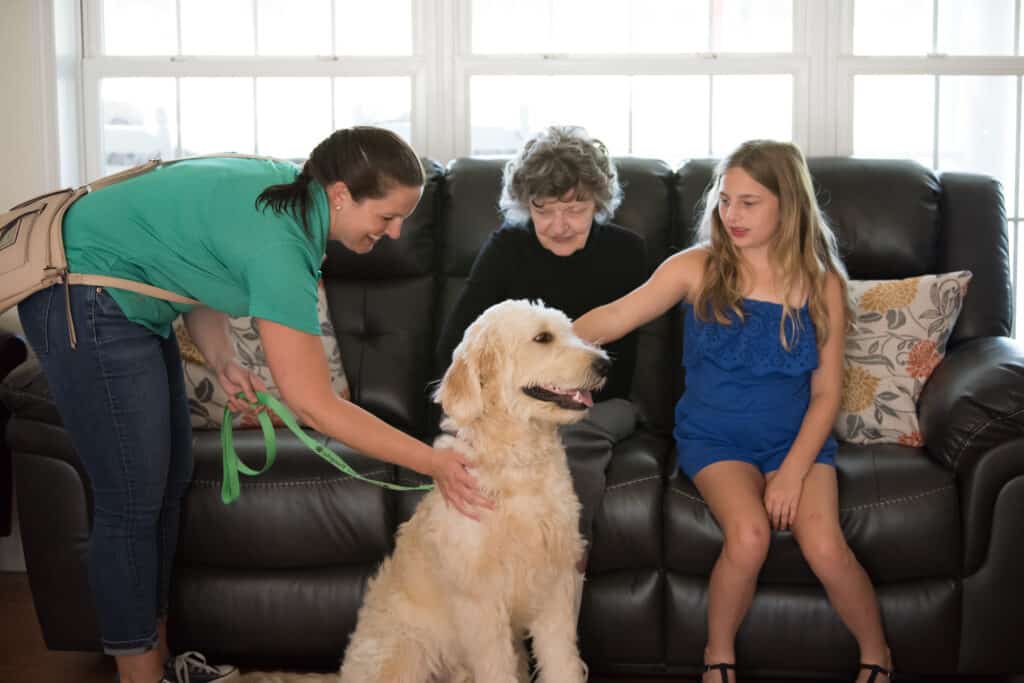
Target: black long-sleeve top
point(514, 265)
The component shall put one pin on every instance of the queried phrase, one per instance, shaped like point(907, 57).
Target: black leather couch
point(940, 529)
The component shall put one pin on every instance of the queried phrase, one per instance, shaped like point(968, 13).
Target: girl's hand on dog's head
point(450, 471)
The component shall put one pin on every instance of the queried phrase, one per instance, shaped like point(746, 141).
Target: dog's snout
point(601, 366)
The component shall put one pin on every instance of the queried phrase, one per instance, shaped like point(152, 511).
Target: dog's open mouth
point(570, 399)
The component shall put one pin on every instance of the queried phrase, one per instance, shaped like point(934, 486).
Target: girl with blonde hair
point(765, 313)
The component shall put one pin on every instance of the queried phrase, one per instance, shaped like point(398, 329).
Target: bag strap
point(120, 176)
point(121, 283)
point(230, 488)
point(148, 166)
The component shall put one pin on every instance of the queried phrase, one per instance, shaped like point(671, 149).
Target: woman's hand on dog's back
point(299, 367)
point(450, 471)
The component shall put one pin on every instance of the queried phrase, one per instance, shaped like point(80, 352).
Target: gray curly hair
point(554, 162)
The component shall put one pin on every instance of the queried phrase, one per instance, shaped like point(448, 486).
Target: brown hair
point(804, 247)
point(369, 160)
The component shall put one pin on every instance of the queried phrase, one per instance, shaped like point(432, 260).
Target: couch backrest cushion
point(382, 309)
point(897, 219)
point(470, 214)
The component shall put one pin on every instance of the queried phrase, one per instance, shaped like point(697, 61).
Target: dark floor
point(25, 659)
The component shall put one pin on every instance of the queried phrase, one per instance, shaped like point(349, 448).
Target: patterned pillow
point(897, 339)
point(207, 399)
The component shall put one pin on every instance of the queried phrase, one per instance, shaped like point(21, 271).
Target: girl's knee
point(746, 544)
point(825, 550)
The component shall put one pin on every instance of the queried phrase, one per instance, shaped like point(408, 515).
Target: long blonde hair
point(804, 247)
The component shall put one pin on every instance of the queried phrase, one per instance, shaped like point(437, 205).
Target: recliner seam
point(286, 484)
point(887, 501)
point(982, 428)
point(631, 482)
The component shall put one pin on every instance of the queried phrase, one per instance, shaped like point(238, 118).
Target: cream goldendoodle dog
point(457, 597)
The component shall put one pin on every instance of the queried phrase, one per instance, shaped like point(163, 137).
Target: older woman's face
point(562, 223)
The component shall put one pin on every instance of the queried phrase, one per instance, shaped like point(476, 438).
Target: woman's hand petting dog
point(450, 471)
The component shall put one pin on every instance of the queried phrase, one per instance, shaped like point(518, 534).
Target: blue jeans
point(121, 395)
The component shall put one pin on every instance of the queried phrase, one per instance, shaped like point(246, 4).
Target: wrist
point(791, 470)
point(427, 462)
point(220, 364)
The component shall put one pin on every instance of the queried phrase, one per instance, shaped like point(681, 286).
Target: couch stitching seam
point(631, 482)
point(288, 484)
point(887, 501)
point(982, 428)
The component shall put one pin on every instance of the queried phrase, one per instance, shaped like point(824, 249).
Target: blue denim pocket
point(109, 321)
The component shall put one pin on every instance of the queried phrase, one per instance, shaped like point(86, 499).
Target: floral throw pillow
point(207, 399)
point(898, 337)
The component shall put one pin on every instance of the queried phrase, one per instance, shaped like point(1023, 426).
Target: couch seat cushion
point(302, 513)
point(899, 511)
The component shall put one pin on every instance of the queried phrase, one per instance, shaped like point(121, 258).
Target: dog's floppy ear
point(460, 392)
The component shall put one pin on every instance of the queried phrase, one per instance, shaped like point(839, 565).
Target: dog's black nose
point(602, 366)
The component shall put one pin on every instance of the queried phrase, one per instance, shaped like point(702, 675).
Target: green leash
point(230, 488)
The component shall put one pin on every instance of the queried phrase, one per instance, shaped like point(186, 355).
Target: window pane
point(507, 28)
point(670, 117)
point(669, 26)
point(285, 27)
point(139, 121)
point(882, 129)
point(753, 26)
point(505, 110)
point(734, 120)
point(892, 27)
point(979, 27)
point(500, 115)
point(1017, 245)
point(382, 27)
point(385, 102)
point(978, 126)
point(216, 116)
point(224, 27)
point(293, 115)
point(139, 27)
point(583, 26)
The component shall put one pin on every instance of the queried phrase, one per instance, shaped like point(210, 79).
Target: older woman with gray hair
point(558, 245)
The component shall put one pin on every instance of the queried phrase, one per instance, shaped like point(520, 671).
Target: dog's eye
point(544, 338)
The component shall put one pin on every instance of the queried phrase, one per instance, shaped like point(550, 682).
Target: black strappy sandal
point(722, 668)
point(877, 670)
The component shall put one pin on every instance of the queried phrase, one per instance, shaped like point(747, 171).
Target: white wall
point(26, 167)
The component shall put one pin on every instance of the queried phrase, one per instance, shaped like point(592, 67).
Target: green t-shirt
point(193, 228)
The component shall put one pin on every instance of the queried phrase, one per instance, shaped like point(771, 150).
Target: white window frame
point(848, 66)
point(96, 66)
point(809, 17)
point(822, 64)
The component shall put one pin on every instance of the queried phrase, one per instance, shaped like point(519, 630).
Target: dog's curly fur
point(456, 598)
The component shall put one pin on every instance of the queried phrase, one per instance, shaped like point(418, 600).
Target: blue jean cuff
point(123, 648)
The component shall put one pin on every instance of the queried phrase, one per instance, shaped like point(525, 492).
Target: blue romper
point(745, 395)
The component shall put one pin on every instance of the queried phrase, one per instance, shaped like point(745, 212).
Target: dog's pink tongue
point(583, 397)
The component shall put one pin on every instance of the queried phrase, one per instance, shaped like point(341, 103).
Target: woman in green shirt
point(244, 237)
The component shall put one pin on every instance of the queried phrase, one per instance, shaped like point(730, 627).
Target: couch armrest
point(972, 419)
point(13, 352)
point(974, 401)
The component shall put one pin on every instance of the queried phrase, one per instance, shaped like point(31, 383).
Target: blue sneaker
point(191, 667)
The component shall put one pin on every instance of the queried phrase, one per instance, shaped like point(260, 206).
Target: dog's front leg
point(485, 636)
point(554, 635)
